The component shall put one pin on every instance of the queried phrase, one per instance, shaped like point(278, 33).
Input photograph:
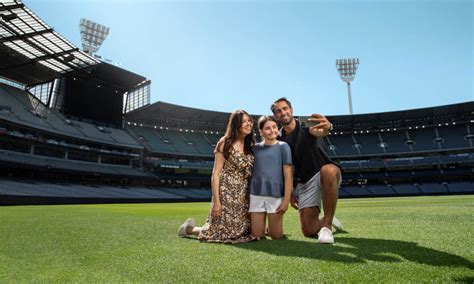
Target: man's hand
point(294, 203)
point(322, 128)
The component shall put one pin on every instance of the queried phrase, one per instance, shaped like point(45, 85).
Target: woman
point(228, 220)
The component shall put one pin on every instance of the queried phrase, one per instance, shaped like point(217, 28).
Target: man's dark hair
point(282, 99)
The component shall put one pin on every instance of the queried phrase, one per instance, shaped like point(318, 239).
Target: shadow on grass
point(467, 279)
point(359, 250)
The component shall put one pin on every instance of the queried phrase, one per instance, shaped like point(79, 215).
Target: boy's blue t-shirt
point(267, 176)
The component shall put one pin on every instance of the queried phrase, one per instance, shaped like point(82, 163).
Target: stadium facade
point(74, 129)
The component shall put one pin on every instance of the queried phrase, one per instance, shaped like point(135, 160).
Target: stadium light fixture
point(347, 69)
point(92, 35)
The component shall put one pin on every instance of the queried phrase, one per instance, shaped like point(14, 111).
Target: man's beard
point(289, 121)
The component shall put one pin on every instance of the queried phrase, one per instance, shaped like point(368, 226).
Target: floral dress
point(233, 226)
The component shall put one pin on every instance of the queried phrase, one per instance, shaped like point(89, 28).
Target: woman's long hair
point(232, 133)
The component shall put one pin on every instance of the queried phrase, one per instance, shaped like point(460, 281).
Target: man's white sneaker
point(325, 236)
point(182, 229)
point(336, 224)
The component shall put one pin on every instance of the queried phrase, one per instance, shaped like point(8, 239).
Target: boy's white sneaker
point(336, 224)
point(182, 229)
point(325, 236)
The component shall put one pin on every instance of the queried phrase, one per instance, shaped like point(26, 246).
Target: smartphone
point(306, 123)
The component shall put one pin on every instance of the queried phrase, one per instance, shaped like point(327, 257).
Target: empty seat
point(433, 188)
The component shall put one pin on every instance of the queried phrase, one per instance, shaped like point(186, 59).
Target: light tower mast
point(347, 69)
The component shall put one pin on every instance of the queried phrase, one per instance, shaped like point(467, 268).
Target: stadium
point(75, 129)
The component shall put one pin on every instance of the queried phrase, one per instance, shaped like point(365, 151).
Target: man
point(315, 174)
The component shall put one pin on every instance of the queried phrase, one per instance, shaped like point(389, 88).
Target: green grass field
point(409, 239)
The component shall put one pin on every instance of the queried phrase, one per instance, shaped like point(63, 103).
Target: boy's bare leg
point(257, 224)
point(275, 226)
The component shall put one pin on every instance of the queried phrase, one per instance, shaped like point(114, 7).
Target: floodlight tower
point(347, 69)
point(92, 35)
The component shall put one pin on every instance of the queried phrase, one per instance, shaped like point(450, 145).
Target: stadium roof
point(105, 73)
point(31, 51)
point(405, 118)
point(175, 116)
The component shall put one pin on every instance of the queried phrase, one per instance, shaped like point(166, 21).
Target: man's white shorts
point(262, 204)
point(309, 194)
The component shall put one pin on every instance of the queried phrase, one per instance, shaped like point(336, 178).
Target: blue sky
point(225, 55)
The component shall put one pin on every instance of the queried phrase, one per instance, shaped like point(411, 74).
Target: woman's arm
point(216, 174)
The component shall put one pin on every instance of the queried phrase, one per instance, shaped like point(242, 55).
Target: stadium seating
point(351, 164)
point(100, 192)
point(344, 145)
point(72, 190)
point(370, 143)
point(460, 158)
point(453, 136)
point(425, 161)
point(152, 140)
point(184, 164)
point(175, 142)
point(396, 141)
point(213, 138)
point(356, 190)
point(92, 131)
point(424, 139)
point(343, 192)
point(406, 189)
point(461, 187)
point(394, 163)
point(64, 164)
point(381, 190)
point(433, 188)
point(22, 108)
point(200, 141)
